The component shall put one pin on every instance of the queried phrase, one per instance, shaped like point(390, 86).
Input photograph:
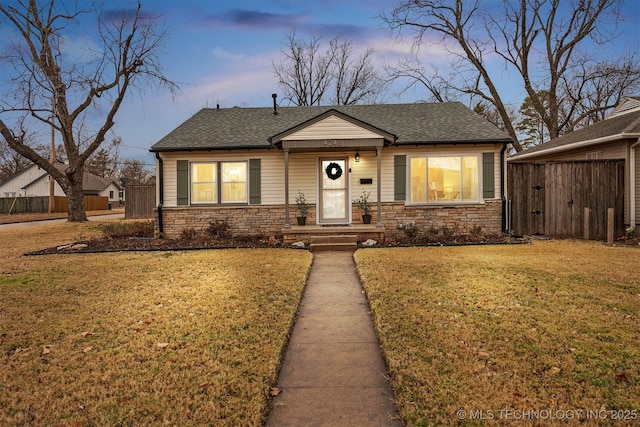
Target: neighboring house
point(616, 137)
point(438, 165)
point(34, 182)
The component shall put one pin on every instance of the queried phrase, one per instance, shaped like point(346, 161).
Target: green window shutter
point(488, 176)
point(254, 182)
point(183, 182)
point(399, 178)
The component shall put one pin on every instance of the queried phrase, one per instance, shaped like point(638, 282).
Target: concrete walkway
point(333, 373)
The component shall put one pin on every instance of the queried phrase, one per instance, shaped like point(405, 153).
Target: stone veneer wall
point(269, 220)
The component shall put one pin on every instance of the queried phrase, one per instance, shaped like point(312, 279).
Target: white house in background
point(34, 182)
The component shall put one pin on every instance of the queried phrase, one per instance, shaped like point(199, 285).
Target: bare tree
point(536, 40)
point(309, 75)
point(77, 96)
point(135, 172)
point(104, 162)
point(355, 79)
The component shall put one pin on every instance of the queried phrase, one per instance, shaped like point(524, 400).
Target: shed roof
point(420, 123)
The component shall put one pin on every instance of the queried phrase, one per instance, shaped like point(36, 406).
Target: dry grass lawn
point(157, 338)
point(549, 326)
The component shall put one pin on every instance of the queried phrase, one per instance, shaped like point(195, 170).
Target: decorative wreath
point(334, 171)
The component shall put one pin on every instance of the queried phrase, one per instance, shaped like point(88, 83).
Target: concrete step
point(338, 242)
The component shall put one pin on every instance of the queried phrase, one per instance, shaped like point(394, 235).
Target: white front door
point(334, 205)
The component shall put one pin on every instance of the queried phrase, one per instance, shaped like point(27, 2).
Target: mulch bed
point(122, 244)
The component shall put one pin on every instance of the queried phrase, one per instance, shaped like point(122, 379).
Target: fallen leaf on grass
point(21, 350)
point(87, 334)
point(87, 349)
point(621, 377)
point(162, 344)
point(46, 349)
point(555, 370)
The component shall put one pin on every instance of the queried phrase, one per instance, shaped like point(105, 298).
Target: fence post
point(586, 223)
point(610, 226)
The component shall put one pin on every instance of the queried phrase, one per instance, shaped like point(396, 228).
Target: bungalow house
point(615, 138)
point(33, 181)
point(432, 164)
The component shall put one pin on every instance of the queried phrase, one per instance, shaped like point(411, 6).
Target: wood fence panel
point(570, 186)
point(141, 200)
point(24, 204)
point(91, 203)
point(527, 193)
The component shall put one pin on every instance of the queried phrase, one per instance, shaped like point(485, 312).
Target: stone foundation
point(269, 220)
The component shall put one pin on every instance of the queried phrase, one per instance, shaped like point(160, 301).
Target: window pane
point(203, 193)
point(234, 193)
point(418, 180)
point(234, 182)
point(203, 183)
point(470, 178)
point(203, 172)
point(444, 178)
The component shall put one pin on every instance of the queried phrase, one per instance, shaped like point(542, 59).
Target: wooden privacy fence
point(41, 204)
point(24, 205)
point(555, 198)
point(140, 202)
point(91, 203)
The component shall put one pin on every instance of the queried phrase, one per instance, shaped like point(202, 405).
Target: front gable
point(333, 125)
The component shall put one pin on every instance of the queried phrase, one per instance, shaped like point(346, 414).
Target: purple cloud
point(256, 19)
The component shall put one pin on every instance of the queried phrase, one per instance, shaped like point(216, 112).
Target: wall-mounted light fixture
point(357, 157)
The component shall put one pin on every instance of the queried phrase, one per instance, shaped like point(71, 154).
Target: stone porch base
point(269, 220)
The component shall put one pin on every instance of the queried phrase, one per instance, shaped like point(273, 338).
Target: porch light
point(357, 157)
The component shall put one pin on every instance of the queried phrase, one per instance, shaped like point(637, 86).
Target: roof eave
point(574, 145)
point(463, 141)
point(229, 148)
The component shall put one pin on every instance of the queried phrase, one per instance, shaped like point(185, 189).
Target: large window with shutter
point(444, 179)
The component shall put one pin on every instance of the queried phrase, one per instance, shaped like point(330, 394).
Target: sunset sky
point(222, 51)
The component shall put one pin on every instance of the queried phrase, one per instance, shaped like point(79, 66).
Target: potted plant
point(303, 208)
point(363, 203)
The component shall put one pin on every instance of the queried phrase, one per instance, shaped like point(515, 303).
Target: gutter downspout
point(161, 196)
point(502, 187)
point(632, 187)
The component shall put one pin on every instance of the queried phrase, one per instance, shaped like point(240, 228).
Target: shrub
point(118, 229)
point(219, 230)
point(188, 234)
point(411, 230)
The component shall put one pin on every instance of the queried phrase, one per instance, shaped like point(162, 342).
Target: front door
point(334, 206)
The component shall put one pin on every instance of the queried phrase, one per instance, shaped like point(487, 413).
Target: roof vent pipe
point(275, 105)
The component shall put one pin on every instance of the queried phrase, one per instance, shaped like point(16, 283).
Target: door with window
point(334, 206)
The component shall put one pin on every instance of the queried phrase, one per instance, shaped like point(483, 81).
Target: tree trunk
point(75, 200)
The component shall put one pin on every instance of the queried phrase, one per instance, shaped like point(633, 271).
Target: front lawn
point(144, 338)
point(550, 326)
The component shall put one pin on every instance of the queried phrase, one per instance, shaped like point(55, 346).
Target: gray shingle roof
point(621, 125)
point(421, 123)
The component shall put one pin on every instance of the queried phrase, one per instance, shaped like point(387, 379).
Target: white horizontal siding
point(304, 172)
point(331, 128)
